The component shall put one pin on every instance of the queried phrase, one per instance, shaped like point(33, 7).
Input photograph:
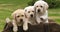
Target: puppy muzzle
point(31, 15)
point(38, 10)
point(21, 20)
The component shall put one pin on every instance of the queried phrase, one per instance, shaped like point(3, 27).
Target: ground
point(8, 6)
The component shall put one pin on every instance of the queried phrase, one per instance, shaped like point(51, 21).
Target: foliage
point(31, 2)
point(52, 3)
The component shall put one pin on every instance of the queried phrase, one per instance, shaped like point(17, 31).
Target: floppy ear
point(25, 10)
point(46, 6)
point(14, 15)
point(34, 12)
point(25, 15)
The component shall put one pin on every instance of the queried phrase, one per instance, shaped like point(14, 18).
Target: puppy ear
point(25, 15)
point(34, 11)
point(14, 15)
point(25, 9)
point(46, 6)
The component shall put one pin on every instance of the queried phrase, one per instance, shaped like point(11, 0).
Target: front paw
point(15, 29)
point(41, 19)
point(25, 28)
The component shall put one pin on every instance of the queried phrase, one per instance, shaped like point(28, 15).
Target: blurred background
point(8, 6)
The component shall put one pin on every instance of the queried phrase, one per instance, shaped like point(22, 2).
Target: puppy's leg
point(47, 21)
point(25, 25)
point(45, 18)
point(15, 28)
point(38, 19)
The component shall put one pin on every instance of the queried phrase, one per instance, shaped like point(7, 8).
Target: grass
point(55, 14)
point(8, 6)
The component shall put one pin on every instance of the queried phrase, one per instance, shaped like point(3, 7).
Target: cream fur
point(30, 19)
point(17, 16)
point(42, 6)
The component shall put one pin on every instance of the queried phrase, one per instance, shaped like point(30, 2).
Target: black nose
point(31, 15)
point(21, 19)
point(38, 10)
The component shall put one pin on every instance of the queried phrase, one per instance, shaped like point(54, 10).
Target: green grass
point(8, 6)
point(55, 14)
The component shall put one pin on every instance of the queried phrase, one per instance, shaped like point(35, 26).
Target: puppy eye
point(18, 16)
point(36, 6)
point(41, 6)
point(32, 11)
point(28, 11)
point(25, 10)
point(22, 15)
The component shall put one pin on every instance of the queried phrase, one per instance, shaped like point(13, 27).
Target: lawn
point(54, 14)
point(8, 6)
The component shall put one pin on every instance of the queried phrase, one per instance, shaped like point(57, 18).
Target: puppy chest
point(19, 24)
point(32, 20)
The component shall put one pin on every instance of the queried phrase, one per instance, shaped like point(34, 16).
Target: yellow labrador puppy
point(19, 18)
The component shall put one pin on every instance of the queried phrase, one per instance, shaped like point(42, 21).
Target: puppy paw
point(8, 20)
point(25, 28)
point(46, 21)
point(15, 29)
point(42, 19)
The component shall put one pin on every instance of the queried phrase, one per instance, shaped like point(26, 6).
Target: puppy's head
point(19, 15)
point(41, 6)
point(29, 11)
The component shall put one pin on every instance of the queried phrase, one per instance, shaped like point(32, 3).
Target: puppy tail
point(8, 20)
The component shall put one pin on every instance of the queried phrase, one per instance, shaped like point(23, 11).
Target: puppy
point(41, 11)
point(19, 19)
point(30, 14)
